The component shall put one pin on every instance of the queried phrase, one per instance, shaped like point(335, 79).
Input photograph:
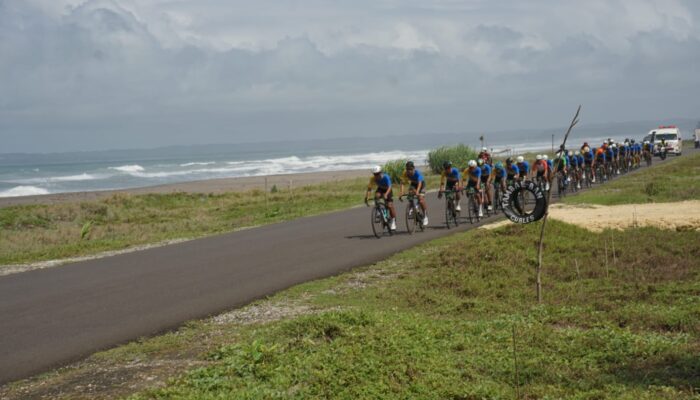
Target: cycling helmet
point(646, 142)
point(520, 159)
point(480, 161)
point(577, 152)
point(376, 169)
point(484, 149)
point(447, 164)
point(538, 157)
point(614, 145)
point(586, 149)
point(545, 157)
point(509, 160)
point(499, 165)
point(472, 163)
point(409, 165)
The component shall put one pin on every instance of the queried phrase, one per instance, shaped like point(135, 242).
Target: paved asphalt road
point(53, 316)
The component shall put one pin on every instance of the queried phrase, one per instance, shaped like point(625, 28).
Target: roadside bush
point(395, 169)
point(459, 155)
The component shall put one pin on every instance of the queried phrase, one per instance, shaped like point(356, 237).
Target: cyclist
point(486, 182)
point(472, 179)
point(383, 184)
point(499, 172)
point(589, 160)
point(545, 157)
point(523, 166)
point(647, 149)
point(581, 161)
point(449, 180)
point(484, 155)
point(574, 168)
point(540, 170)
point(412, 177)
point(560, 165)
point(512, 170)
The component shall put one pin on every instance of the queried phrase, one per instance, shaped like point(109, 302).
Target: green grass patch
point(676, 180)
point(436, 322)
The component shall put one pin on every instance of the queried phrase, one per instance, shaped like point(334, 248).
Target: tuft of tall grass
point(459, 155)
point(394, 169)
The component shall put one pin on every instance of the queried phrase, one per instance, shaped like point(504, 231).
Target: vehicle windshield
point(666, 136)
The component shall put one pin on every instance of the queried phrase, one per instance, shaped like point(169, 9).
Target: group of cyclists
point(483, 176)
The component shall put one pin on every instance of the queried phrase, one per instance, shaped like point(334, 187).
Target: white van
point(670, 134)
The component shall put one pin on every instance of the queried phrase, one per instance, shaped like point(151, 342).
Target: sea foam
point(23, 191)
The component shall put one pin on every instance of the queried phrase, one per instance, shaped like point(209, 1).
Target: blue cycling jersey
point(383, 182)
point(524, 168)
point(573, 160)
point(550, 164)
point(415, 179)
point(512, 170)
point(485, 170)
point(580, 159)
point(500, 172)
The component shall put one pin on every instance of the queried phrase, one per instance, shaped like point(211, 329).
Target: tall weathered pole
point(557, 160)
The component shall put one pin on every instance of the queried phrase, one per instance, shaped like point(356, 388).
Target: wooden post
point(540, 248)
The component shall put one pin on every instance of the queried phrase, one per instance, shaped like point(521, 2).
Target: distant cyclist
point(382, 182)
point(472, 179)
point(524, 167)
point(487, 177)
point(499, 173)
point(512, 170)
point(540, 171)
point(412, 177)
point(449, 180)
point(484, 155)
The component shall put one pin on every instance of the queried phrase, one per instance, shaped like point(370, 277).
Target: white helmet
point(545, 157)
point(472, 163)
point(520, 159)
point(586, 149)
point(577, 152)
point(538, 157)
point(613, 145)
point(484, 149)
point(646, 142)
point(376, 169)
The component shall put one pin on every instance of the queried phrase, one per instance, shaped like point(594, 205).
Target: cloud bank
point(108, 73)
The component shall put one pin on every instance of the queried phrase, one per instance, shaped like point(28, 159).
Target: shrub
point(395, 169)
point(459, 155)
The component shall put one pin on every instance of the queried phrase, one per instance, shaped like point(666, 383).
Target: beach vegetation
point(394, 169)
point(459, 155)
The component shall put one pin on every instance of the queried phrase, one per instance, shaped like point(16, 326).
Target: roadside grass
point(676, 180)
point(46, 232)
point(437, 322)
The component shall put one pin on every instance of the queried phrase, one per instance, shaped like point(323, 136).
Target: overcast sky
point(99, 74)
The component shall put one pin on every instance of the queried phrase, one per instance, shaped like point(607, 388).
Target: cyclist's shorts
point(484, 179)
point(450, 185)
point(471, 184)
point(540, 174)
point(414, 186)
point(498, 180)
point(389, 198)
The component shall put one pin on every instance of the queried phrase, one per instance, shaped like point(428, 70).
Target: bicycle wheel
point(420, 215)
point(411, 218)
point(448, 212)
point(455, 214)
point(378, 221)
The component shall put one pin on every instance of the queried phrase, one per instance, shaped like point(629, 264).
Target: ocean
point(36, 174)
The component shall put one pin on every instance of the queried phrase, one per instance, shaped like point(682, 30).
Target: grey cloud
point(110, 74)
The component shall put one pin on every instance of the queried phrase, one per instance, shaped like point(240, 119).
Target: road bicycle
point(561, 183)
point(451, 212)
point(381, 220)
point(414, 212)
point(472, 205)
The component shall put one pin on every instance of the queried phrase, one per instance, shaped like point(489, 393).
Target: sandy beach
point(202, 186)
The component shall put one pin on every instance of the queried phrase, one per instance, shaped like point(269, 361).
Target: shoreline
point(215, 186)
